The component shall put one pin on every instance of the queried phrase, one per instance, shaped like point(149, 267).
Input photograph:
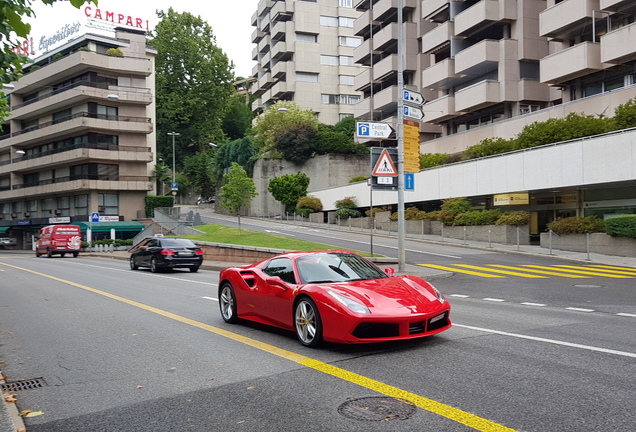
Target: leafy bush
point(358, 179)
point(308, 204)
point(515, 218)
point(455, 206)
point(621, 226)
point(153, 201)
point(625, 115)
point(561, 129)
point(115, 52)
point(489, 147)
point(577, 225)
point(56, 56)
point(347, 213)
point(346, 203)
point(329, 141)
point(441, 216)
point(430, 160)
point(477, 217)
point(457, 157)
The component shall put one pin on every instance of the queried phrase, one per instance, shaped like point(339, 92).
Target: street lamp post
point(173, 134)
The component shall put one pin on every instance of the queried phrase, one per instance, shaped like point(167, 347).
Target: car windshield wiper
point(321, 281)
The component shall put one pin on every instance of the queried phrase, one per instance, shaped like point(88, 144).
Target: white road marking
point(533, 304)
point(459, 295)
point(579, 309)
point(626, 315)
point(210, 298)
point(494, 299)
point(551, 341)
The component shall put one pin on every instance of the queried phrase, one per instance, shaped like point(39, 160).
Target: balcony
point(281, 29)
point(438, 37)
point(481, 16)
point(440, 109)
point(80, 152)
point(614, 5)
point(257, 35)
point(436, 10)
point(362, 81)
point(362, 26)
point(264, 82)
point(532, 90)
point(479, 59)
point(477, 96)
point(559, 21)
point(264, 45)
point(282, 51)
point(282, 88)
point(440, 76)
point(79, 62)
point(76, 94)
point(385, 68)
point(385, 102)
point(279, 70)
point(387, 38)
point(69, 185)
point(362, 53)
point(571, 63)
point(386, 10)
point(78, 123)
point(618, 46)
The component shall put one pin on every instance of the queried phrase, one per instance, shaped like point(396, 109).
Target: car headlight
point(351, 304)
point(439, 295)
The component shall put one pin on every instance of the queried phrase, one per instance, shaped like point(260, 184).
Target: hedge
point(621, 226)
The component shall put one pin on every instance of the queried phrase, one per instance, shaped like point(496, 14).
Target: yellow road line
point(632, 273)
point(582, 272)
point(525, 275)
point(541, 271)
point(629, 269)
point(447, 411)
point(453, 269)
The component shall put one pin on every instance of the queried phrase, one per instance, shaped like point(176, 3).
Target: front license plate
point(437, 318)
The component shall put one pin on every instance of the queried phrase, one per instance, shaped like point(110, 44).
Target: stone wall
point(600, 243)
point(324, 172)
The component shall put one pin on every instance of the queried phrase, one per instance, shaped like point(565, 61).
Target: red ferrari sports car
point(335, 296)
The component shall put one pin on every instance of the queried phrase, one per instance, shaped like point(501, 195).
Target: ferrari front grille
point(438, 322)
point(416, 327)
point(376, 330)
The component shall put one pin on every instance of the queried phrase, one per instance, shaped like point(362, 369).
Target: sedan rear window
point(171, 242)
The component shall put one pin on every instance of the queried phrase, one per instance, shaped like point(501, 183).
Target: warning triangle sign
point(384, 166)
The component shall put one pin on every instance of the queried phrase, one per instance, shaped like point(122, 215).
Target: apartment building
point(80, 139)
point(490, 67)
point(304, 53)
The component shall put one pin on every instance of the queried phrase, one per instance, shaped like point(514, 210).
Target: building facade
point(304, 53)
point(80, 139)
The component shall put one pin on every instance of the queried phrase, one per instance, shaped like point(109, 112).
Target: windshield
point(336, 267)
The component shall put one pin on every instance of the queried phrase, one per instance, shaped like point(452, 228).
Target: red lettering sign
point(119, 18)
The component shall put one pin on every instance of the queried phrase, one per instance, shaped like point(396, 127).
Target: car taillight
point(199, 252)
point(167, 252)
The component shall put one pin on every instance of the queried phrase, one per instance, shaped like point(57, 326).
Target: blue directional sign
point(94, 217)
point(409, 181)
point(374, 130)
point(175, 186)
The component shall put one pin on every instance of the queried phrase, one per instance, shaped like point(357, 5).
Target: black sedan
point(166, 253)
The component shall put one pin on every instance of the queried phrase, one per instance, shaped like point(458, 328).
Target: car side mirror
point(277, 282)
point(389, 271)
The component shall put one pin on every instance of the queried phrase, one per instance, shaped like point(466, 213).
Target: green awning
point(4, 229)
point(107, 226)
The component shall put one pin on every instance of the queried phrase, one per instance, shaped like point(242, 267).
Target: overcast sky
point(230, 21)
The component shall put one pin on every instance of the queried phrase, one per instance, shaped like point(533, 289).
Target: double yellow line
point(457, 415)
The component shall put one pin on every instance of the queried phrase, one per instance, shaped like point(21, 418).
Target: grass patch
point(230, 235)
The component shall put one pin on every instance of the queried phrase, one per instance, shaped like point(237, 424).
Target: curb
point(13, 416)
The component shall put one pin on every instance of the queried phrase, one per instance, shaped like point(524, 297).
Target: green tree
point(199, 169)
point(238, 191)
point(625, 115)
point(288, 189)
point(297, 143)
point(12, 28)
point(278, 119)
point(193, 84)
point(237, 121)
point(161, 174)
point(241, 151)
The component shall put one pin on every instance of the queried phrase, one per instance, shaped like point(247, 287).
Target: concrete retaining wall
point(600, 243)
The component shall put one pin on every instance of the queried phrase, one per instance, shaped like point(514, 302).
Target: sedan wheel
point(308, 323)
point(227, 303)
point(133, 266)
point(153, 265)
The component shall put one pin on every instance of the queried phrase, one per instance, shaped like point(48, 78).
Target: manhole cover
point(24, 385)
point(377, 409)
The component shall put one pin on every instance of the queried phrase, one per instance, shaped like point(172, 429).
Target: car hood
point(390, 295)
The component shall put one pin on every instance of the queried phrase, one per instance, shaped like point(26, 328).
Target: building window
point(306, 37)
point(347, 79)
point(332, 99)
point(344, 116)
point(81, 204)
point(108, 204)
point(346, 3)
point(47, 206)
point(61, 116)
point(346, 61)
point(328, 21)
point(306, 77)
point(63, 206)
point(345, 22)
point(349, 41)
point(329, 60)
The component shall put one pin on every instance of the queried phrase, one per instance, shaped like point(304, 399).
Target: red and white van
point(59, 239)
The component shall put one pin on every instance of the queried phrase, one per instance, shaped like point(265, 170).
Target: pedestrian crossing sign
point(385, 166)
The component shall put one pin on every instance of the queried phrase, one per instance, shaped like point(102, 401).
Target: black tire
point(133, 266)
point(194, 269)
point(153, 265)
point(308, 323)
point(63, 254)
point(227, 303)
point(37, 253)
point(75, 254)
point(48, 253)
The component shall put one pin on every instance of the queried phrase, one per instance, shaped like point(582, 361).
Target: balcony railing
point(83, 177)
point(76, 115)
point(96, 146)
